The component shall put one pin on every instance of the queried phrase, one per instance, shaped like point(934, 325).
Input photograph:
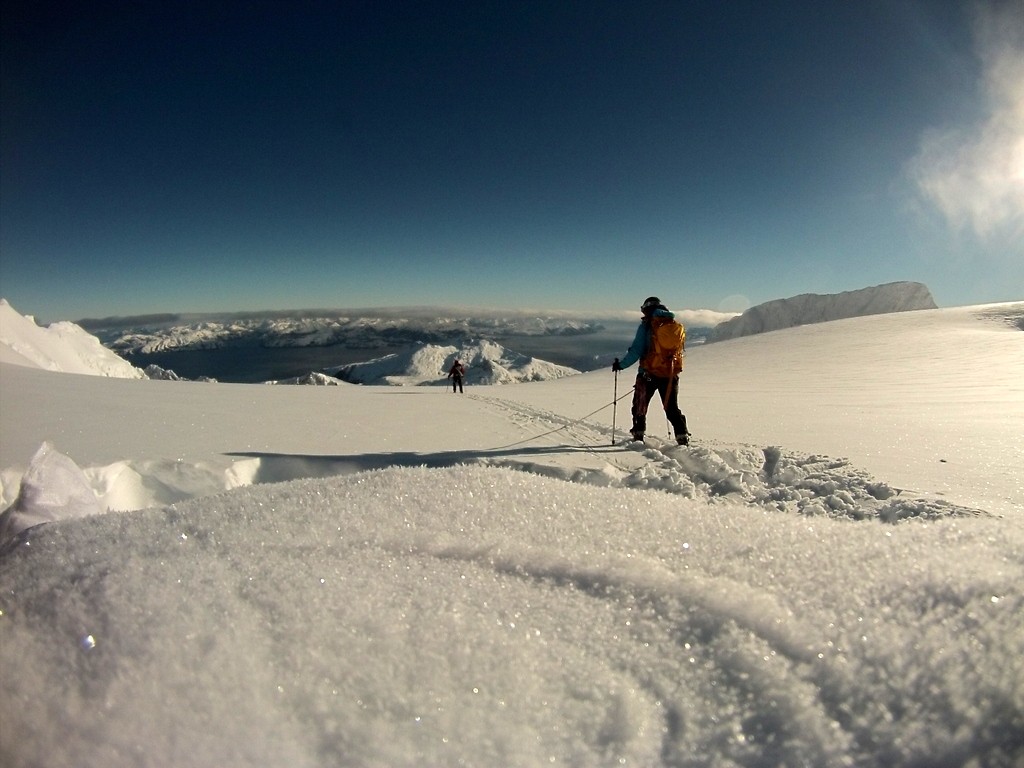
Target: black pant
point(457, 383)
point(643, 392)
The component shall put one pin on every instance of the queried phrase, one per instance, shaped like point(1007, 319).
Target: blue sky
point(197, 156)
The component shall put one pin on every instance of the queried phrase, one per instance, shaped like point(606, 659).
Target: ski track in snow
point(767, 477)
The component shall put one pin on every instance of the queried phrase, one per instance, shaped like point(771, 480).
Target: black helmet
point(650, 303)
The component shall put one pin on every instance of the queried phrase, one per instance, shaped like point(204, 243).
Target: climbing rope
point(564, 426)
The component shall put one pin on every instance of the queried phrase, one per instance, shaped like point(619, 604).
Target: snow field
point(506, 619)
point(373, 576)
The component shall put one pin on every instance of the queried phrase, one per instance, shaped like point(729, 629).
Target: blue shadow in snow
point(280, 467)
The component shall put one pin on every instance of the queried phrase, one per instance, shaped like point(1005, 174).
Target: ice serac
point(810, 308)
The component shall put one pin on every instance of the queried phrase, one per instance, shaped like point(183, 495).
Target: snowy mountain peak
point(63, 347)
point(486, 362)
point(817, 308)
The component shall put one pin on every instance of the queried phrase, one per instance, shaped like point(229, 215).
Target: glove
point(616, 366)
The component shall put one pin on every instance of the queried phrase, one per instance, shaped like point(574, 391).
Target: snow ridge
point(816, 308)
point(485, 361)
point(312, 379)
point(62, 347)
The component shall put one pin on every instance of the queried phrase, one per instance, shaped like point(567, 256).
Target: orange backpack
point(665, 352)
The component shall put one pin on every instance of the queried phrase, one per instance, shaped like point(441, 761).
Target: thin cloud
point(691, 318)
point(703, 318)
point(974, 176)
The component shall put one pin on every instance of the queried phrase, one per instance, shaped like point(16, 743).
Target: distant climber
point(457, 373)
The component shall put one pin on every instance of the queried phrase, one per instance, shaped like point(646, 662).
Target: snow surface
point(379, 576)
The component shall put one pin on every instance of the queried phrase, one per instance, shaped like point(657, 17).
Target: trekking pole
point(615, 398)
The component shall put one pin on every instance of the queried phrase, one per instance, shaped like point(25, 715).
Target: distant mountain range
point(810, 308)
point(65, 347)
point(402, 329)
point(426, 341)
point(161, 333)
